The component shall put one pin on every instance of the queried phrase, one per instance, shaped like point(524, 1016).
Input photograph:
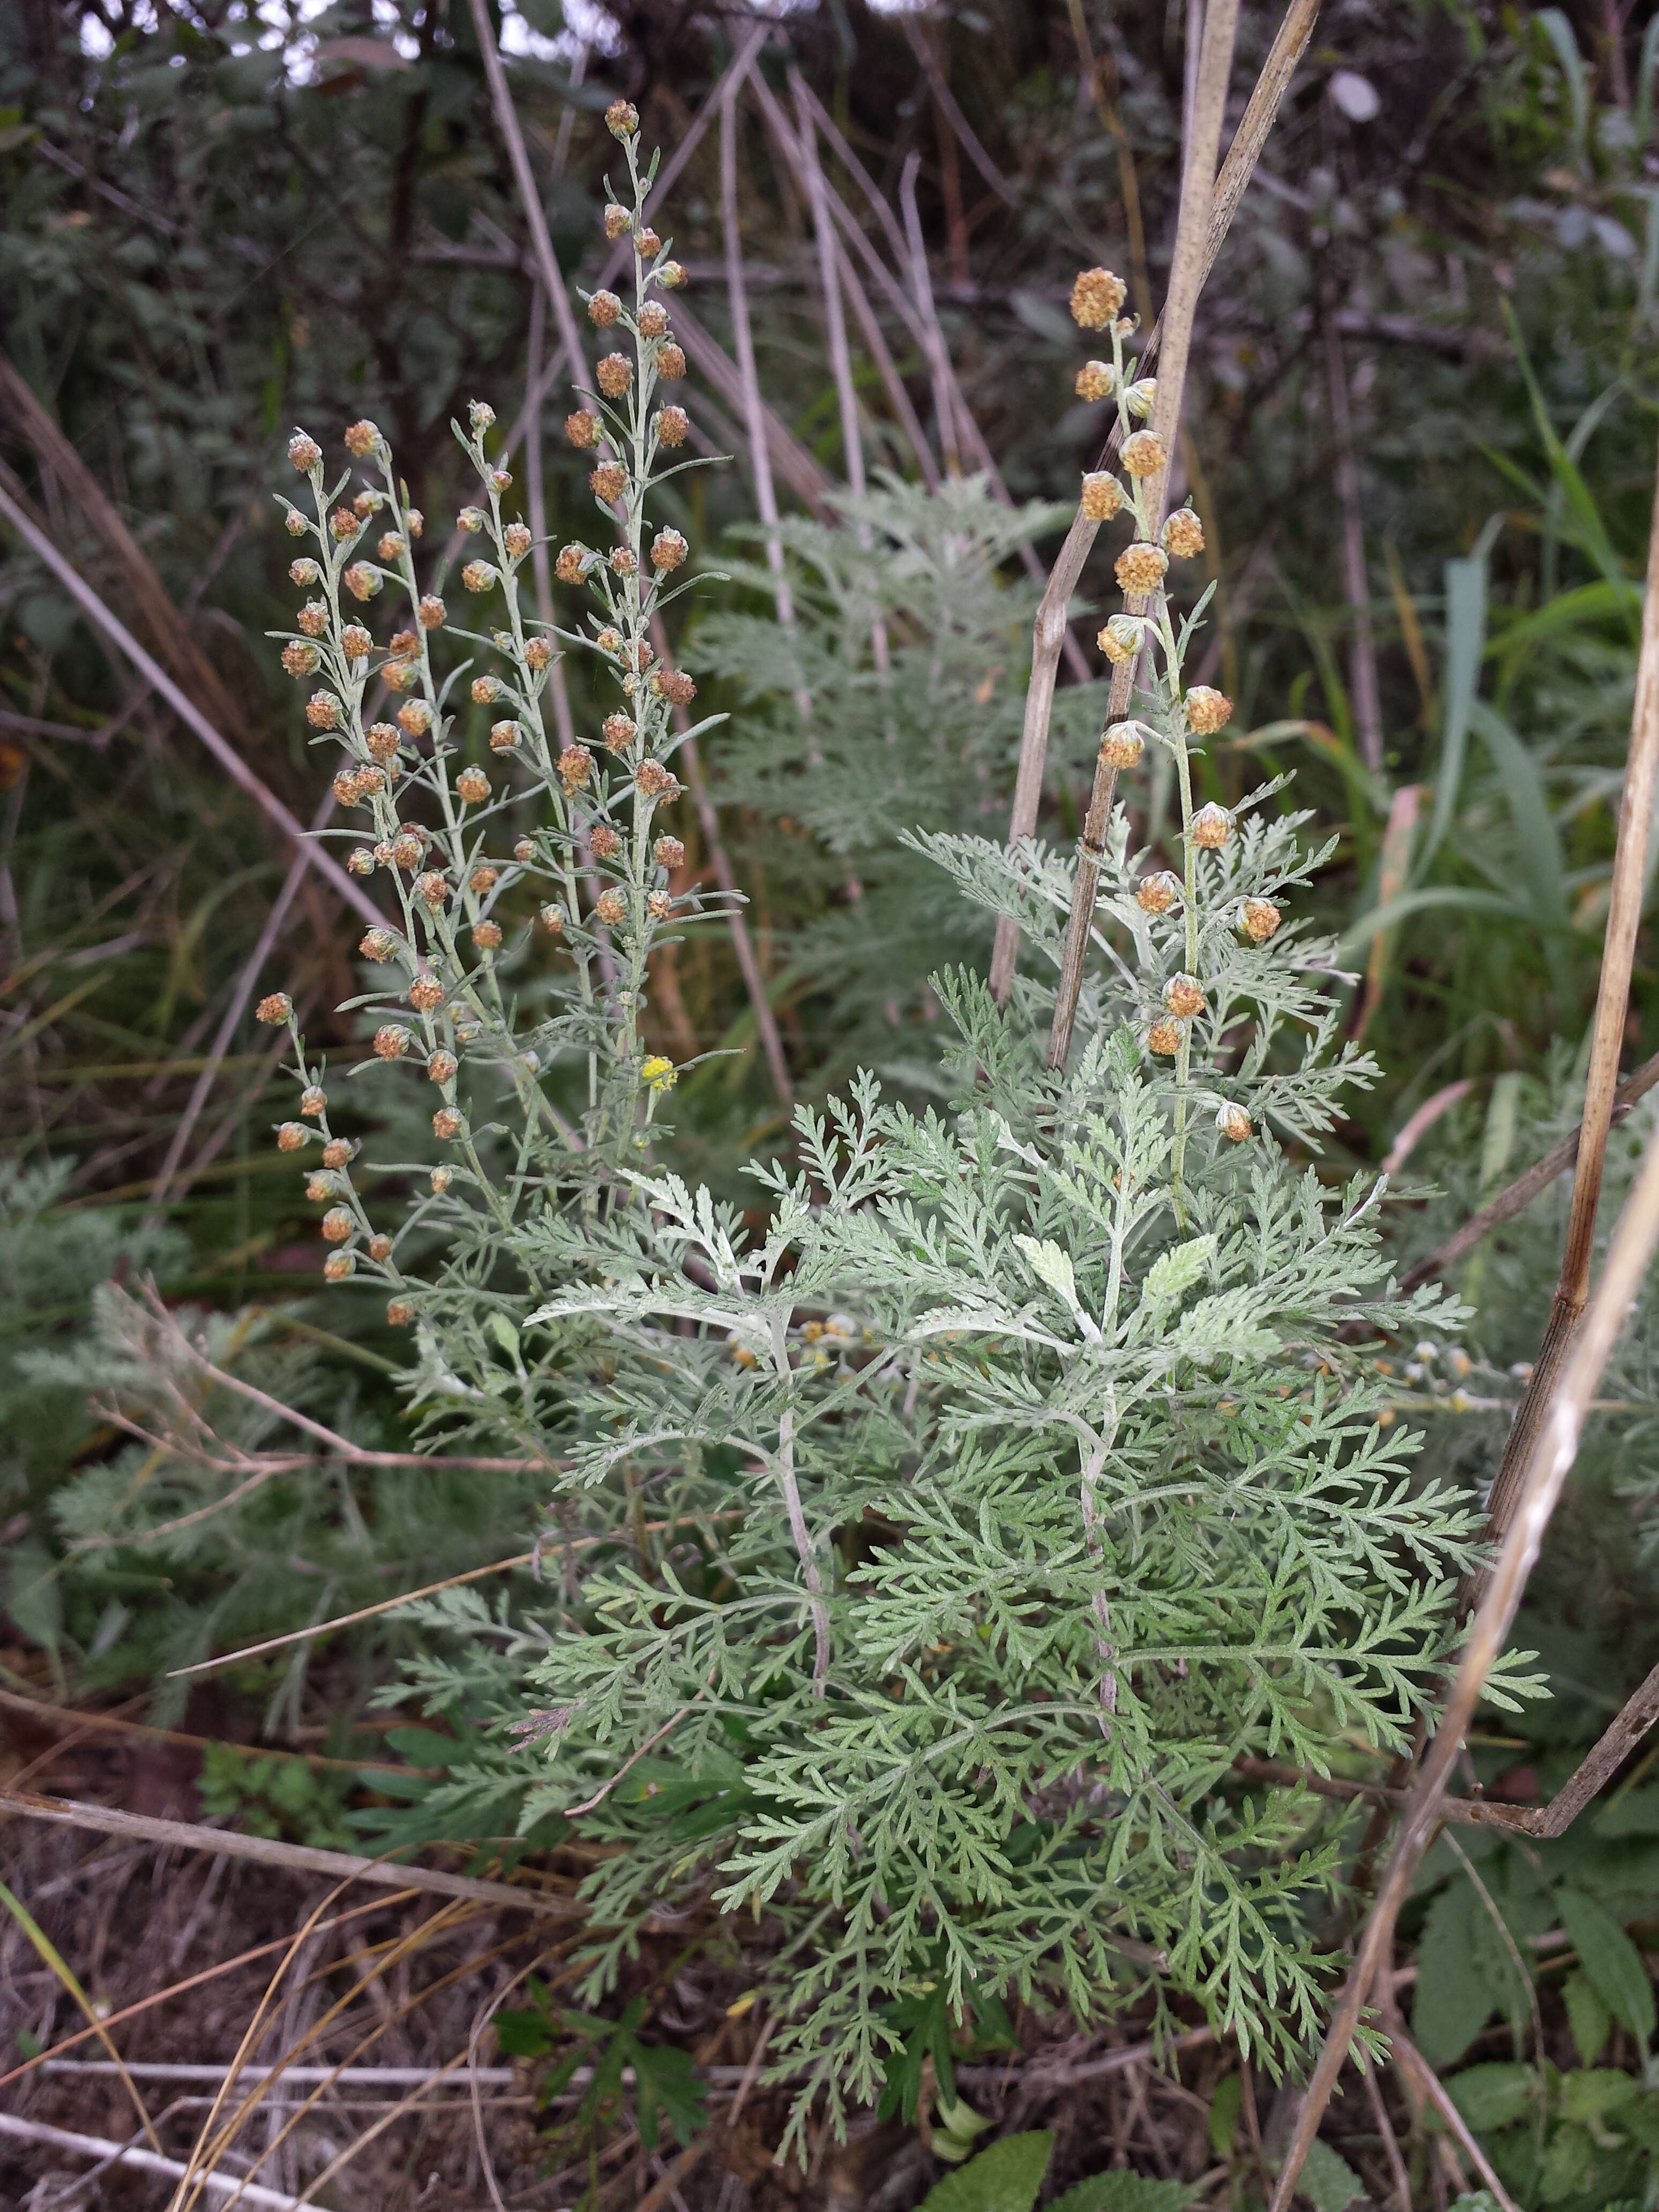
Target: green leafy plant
point(269, 1796)
point(1007, 2177)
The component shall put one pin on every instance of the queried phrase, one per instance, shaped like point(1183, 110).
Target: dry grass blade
point(227, 757)
point(1186, 275)
point(127, 2155)
point(1364, 693)
point(1554, 1447)
point(1050, 631)
point(299, 1858)
point(1600, 1089)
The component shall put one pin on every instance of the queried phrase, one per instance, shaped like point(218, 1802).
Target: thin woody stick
point(1544, 1471)
point(227, 757)
point(1600, 1090)
point(1181, 305)
point(1050, 628)
point(933, 337)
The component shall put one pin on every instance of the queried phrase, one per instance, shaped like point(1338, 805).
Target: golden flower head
point(1122, 744)
point(619, 733)
point(1207, 710)
point(304, 451)
point(1183, 534)
point(486, 935)
point(582, 428)
point(1139, 397)
point(658, 1073)
point(621, 119)
point(1233, 1123)
point(1183, 996)
point(377, 944)
point(391, 1041)
point(291, 1135)
point(537, 652)
point(485, 878)
point(504, 736)
point(623, 563)
point(516, 538)
point(1096, 298)
point(1163, 1039)
point(415, 716)
point(426, 994)
point(1140, 569)
point(446, 1122)
point(1095, 380)
point(671, 274)
point(479, 575)
point(362, 581)
point(1212, 826)
point(392, 546)
point(1144, 453)
point(668, 853)
point(480, 413)
point(604, 841)
point(440, 1067)
point(314, 1101)
point(313, 617)
point(432, 886)
point(608, 482)
point(472, 786)
point(304, 572)
point(671, 362)
point(431, 611)
point(653, 319)
point(671, 424)
point(611, 908)
point(323, 711)
point(399, 1313)
point(355, 642)
point(338, 1223)
point(649, 242)
point(551, 918)
point(363, 438)
point(653, 780)
point(615, 374)
point(668, 549)
point(300, 658)
point(603, 309)
point(336, 1153)
point(1157, 894)
point(616, 220)
point(343, 525)
point(472, 519)
point(1121, 638)
point(1258, 918)
point(572, 564)
point(575, 766)
point(1102, 496)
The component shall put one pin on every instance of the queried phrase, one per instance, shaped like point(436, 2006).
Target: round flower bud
point(653, 780)
point(653, 319)
point(304, 451)
point(537, 653)
point(338, 1268)
point(407, 850)
point(658, 905)
point(1144, 453)
point(668, 853)
point(572, 564)
point(343, 525)
point(582, 428)
point(355, 642)
point(1183, 535)
point(1122, 744)
point(300, 658)
point(1258, 918)
point(337, 1152)
point(668, 550)
point(392, 546)
point(1157, 894)
point(619, 733)
point(671, 362)
point(674, 685)
point(391, 1041)
point(612, 906)
point(484, 689)
point(1140, 569)
point(441, 1067)
point(608, 482)
point(485, 878)
point(274, 1009)
point(479, 576)
point(516, 538)
point(398, 1313)
point(1096, 298)
point(361, 861)
point(1212, 826)
point(648, 242)
point(291, 1135)
point(670, 425)
point(552, 919)
point(1183, 996)
point(1095, 380)
point(480, 413)
point(1163, 1039)
point(1121, 639)
point(472, 786)
point(337, 1225)
point(575, 765)
point(486, 935)
point(426, 994)
point(320, 1189)
point(603, 310)
point(382, 740)
point(369, 780)
point(380, 1248)
point(1233, 1123)
point(414, 521)
point(621, 119)
point(415, 716)
point(1207, 710)
point(405, 645)
point(294, 524)
point(616, 220)
point(313, 617)
point(671, 274)
point(503, 736)
point(615, 374)
point(314, 1101)
point(323, 711)
point(305, 572)
point(446, 1123)
point(363, 438)
point(432, 887)
point(361, 581)
point(622, 562)
point(364, 504)
point(524, 851)
point(377, 944)
point(431, 611)
point(658, 1073)
point(1102, 496)
point(1139, 397)
point(472, 519)
point(606, 842)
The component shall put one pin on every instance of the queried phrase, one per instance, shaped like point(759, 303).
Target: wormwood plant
point(952, 1519)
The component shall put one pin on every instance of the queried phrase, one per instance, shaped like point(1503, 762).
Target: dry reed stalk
point(1050, 630)
point(110, 2155)
point(1601, 1087)
point(953, 115)
point(1392, 872)
point(805, 475)
point(265, 1850)
point(1548, 1461)
point(1187, 275)
point(227, 757)
point(932, 338)
point(1517, 1196)
point(1364, 691)
point(162, 623)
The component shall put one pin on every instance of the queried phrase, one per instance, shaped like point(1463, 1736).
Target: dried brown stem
point(1544, 1471)
point(128, 2157)
point(1600, 1090)
point(1364, 691)
point(1187, 273)
point(932, 338)
point(1051, 630)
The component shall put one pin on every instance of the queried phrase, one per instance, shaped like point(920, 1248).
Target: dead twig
point(129, 2156)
